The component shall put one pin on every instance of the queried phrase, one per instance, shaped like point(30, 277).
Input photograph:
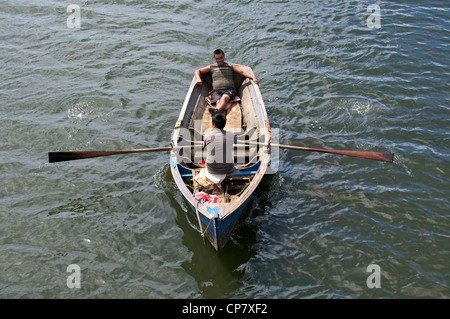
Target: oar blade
point(54, 157)
point(386, 157)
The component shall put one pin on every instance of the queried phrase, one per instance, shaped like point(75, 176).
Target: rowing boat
point(248, 119)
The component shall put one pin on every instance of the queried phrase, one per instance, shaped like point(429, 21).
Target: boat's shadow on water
point(219, 274)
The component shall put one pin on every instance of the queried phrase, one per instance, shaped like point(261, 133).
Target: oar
point(76, 155)
point(54, 157)
point(387, 157)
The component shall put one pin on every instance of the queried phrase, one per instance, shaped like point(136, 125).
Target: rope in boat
point(199, 222)
point(202, 233)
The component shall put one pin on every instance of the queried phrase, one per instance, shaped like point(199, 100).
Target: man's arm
point(245, 73)
point(198, 74)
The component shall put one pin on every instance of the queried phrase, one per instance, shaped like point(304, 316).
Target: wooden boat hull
point(217, 221)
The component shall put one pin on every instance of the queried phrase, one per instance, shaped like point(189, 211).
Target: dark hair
point(219, 120)
point(218, 51)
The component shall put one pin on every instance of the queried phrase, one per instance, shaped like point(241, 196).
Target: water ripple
point(328, 81)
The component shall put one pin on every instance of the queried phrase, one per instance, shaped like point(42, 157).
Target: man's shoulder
point(231, 134)
point(208, 132)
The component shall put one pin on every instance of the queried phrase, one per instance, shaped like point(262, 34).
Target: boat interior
point(241, 119)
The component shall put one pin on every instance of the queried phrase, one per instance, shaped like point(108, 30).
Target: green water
point(329, 79)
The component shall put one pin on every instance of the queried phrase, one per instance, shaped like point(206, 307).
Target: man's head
point(219, 120)
point(219, 57)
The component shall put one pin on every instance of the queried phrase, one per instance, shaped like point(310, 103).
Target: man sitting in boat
point(219, 153)
point(224, 93)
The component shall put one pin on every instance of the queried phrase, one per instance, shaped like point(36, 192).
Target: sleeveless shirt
point(222, 76)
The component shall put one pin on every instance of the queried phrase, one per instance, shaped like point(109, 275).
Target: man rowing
point(218, 144)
